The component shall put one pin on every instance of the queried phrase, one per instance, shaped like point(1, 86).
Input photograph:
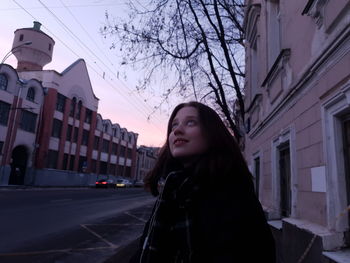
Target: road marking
point(53, 251)
point(100, 237)
point(138, 218)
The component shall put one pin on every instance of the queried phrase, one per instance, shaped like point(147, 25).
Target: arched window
point(31, 94)
point(72, 107)
point(79, 109)
point(3, 82)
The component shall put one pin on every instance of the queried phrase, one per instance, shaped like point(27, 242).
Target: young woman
point(207, 210)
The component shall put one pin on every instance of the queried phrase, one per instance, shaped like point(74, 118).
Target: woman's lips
point(179, 142)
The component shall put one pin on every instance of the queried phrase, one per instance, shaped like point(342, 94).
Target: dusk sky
point(74, 25)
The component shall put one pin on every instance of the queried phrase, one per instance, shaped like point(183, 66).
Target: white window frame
point(273, 31)
point(286, 135)
point(332, 110)
point(254, 156)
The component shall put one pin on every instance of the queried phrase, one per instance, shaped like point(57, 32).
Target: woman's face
point(186, 139)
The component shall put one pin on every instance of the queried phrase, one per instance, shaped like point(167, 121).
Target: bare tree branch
point(188, 43)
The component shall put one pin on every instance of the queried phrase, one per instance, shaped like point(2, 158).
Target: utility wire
point(83, 44)
point(56, 37)
point(86, 47)
point(92, 40)
point(86, 32)
point(59, 7)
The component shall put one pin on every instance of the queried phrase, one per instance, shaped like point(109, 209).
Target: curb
point(27, 187)
point(124, 253)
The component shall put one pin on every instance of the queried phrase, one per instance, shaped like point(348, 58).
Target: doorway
point(18, 165)
point(346, 151)
point(285, 180)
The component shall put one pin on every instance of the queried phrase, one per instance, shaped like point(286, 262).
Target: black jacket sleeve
point(230, 226)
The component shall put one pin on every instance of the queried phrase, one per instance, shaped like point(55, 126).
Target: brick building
point(57, 138)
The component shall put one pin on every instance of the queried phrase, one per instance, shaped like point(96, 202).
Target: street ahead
point(69, 225)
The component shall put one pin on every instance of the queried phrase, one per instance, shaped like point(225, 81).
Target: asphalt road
point(69, 225)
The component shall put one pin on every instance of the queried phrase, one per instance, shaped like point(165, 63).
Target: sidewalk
point(28, 187)
point(124, 253)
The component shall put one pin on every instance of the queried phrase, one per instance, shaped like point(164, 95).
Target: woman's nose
point(178, 129)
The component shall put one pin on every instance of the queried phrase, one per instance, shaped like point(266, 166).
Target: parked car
point(123, 183)
point(105, 183)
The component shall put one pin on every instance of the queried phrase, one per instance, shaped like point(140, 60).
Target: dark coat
point(227, 224)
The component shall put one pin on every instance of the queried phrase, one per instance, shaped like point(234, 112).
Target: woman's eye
point(191, 122)
point(173, 126)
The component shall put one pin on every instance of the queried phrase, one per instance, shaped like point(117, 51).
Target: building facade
point(298, 127)
point(146, 159)
point(49, 120)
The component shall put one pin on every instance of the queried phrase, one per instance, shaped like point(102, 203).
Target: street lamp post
point(8, 54)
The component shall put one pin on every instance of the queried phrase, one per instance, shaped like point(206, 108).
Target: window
point(254, 70)
point(69, 133)
point(96, 142)
point(105, 146)
point(85, 138)
point(120, 170)
point(127, 171)
point(31, 94)
point(56, 128)
point(52, 159)
point(65, 161)
point(273, 27)
point(82, 164)
point(28, 121)
point(1, 145)
point(71, 162)
point(93, 166)
point(72, 107)
point(50, 46)
point(3, 82)
point(257, 175)
point(60, 102)
point(122, 151)
point(88, 116)
point(129, 153)
point(77, 115)
point(103, 168)
point(21, 37)
point(76, 133)
point(115, 148)
point(112, 169)
point(4, 112)
point(116, 132)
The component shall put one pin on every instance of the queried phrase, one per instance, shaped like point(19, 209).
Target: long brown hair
point(222, 158)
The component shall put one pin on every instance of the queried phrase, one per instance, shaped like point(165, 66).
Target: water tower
point(36, 55)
